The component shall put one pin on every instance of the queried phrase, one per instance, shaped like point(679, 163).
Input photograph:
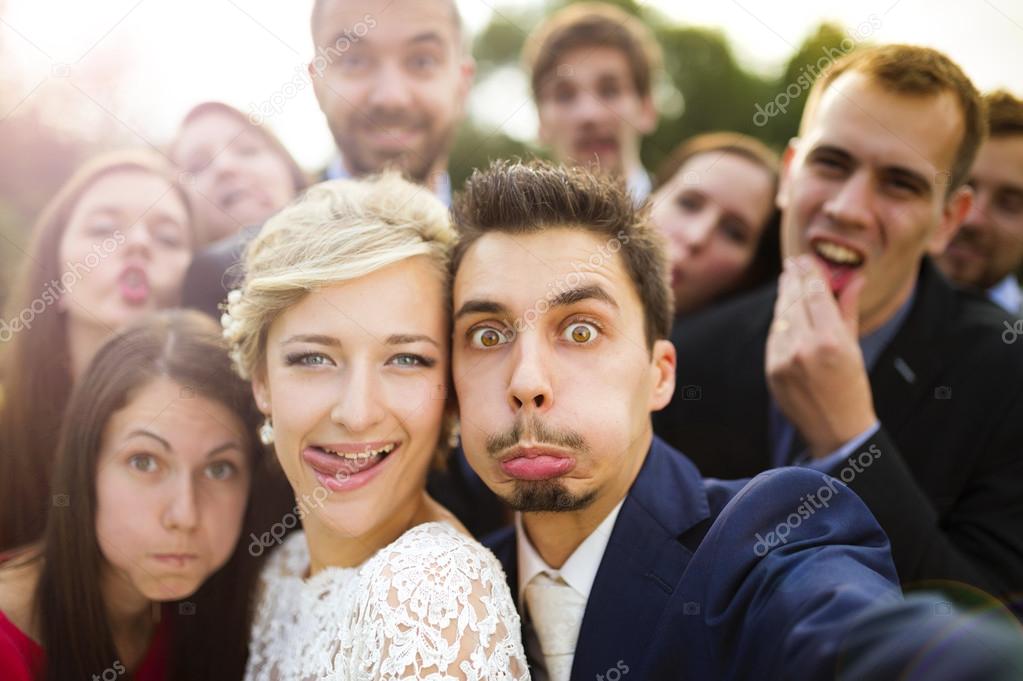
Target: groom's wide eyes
point(581, 333)
point(489, 337)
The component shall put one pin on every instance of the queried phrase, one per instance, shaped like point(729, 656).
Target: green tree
point(828, 43)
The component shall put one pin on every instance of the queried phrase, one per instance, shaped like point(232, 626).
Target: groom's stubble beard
point(543, 496)
point(546, 496)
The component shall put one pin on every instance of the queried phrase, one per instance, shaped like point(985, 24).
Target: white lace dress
point(434, 605)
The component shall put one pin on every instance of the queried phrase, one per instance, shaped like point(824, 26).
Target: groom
point(625, 562)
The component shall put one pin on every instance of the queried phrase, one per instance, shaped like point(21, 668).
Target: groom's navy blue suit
point(686, 589)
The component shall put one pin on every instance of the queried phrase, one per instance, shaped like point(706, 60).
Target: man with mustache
point(863, 362)
point(592, 67)
point(624, 560)
point(392, 81)
point(626, 563)
point(987, 252)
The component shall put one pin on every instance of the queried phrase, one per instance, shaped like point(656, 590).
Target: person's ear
point(316, 78)
point(953, 212)
point(542, 132)
point(784, 171)
point(466, 75)
point(647, 120)
point(261, 393)
point(662, 369)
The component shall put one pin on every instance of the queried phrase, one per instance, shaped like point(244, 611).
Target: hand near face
point(814, 364)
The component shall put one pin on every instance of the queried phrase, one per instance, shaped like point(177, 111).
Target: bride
point(342, 325)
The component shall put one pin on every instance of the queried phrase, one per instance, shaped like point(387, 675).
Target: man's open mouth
point(841, 261)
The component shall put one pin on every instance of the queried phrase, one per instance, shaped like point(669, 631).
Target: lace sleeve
point(438, 607)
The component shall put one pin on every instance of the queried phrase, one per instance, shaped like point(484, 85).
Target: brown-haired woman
point(240, 175)
point(715, 205)
point(240, 172)
point(111, 247)
point(140, 570)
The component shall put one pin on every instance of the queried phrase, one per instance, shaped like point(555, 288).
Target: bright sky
point(179, 52)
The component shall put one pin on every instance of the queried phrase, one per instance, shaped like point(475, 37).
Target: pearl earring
point(453, 437)
point(266, 432)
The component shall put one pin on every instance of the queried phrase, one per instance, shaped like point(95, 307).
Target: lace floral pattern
point(433, 605)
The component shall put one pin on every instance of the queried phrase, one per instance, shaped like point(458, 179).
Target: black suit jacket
point(947, 486)
point(214, 271)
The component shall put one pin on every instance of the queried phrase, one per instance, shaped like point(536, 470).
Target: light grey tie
point(556, 613)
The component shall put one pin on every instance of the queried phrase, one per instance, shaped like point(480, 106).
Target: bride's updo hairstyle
point(335, 232)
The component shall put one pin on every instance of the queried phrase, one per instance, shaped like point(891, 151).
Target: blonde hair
point(337, 231)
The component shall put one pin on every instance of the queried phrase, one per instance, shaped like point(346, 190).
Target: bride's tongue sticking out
point(345, 467)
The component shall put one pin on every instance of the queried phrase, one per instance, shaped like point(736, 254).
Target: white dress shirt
point(640, 185)
point(579, 571)
point(1007, 295)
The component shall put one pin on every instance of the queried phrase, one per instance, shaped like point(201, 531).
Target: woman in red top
point(140, 573)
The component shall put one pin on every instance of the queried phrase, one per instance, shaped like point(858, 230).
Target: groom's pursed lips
point(531, 451)
point(536, 462)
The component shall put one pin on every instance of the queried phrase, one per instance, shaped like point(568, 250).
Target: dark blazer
point(926, 637)
point(214, 271)
point(948, 485)
point(683, 592)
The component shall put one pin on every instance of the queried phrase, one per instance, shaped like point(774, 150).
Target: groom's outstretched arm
point(792, 561)
point(927, 637)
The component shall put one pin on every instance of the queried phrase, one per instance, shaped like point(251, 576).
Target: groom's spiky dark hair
point(513, 197)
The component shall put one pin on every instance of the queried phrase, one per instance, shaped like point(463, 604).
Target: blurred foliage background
point(703, 88)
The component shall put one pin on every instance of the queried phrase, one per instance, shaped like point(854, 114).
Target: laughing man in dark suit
point(862, 361)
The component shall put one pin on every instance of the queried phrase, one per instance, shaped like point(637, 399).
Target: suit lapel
point(907, 369)
point(642, 565)
point(753, 384)
point(747, 393)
